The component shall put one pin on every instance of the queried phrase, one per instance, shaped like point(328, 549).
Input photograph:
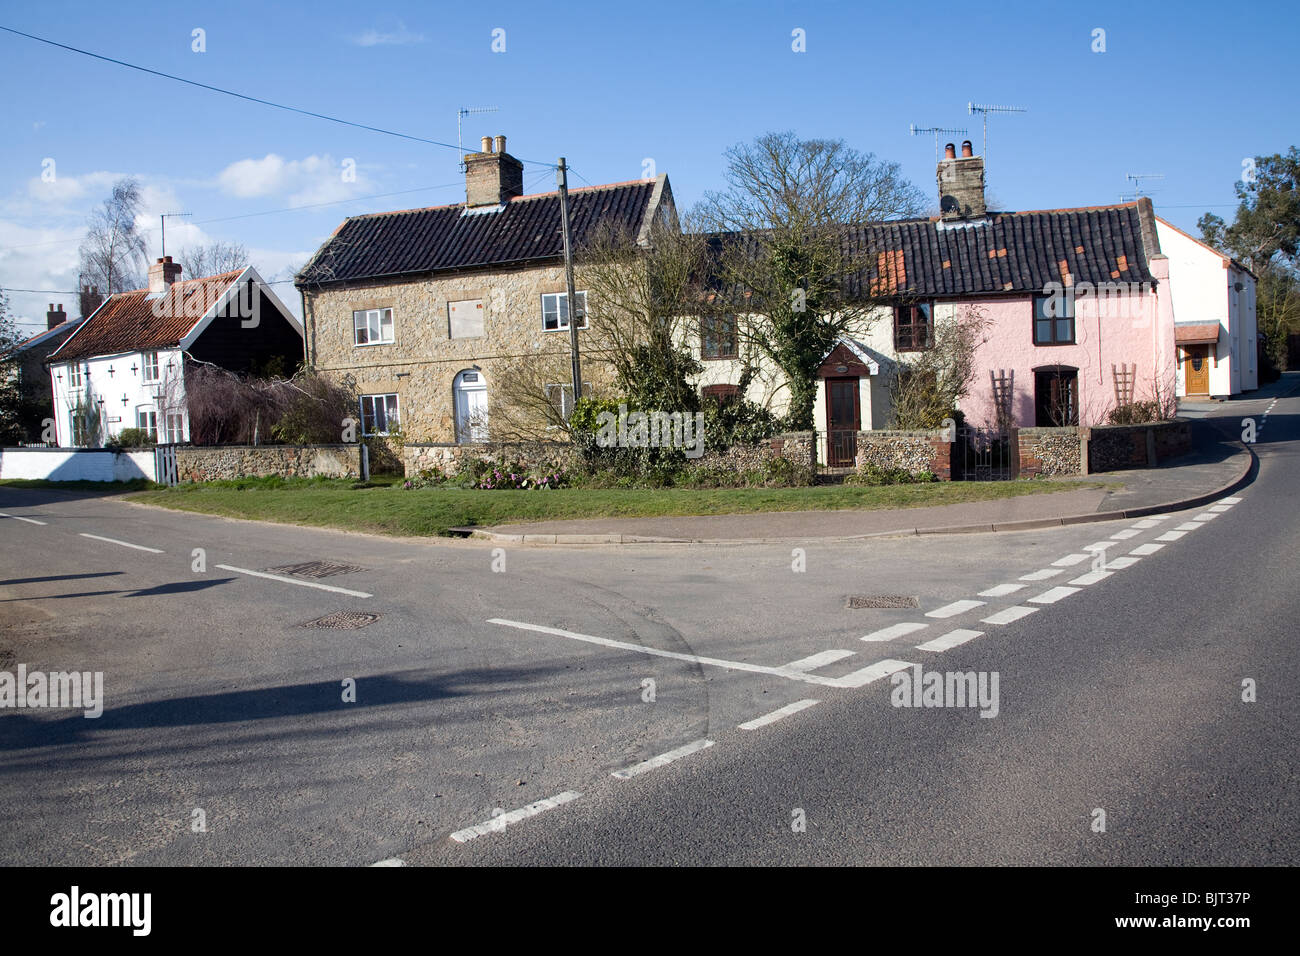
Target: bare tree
point(532, 399)
point(212, 259)
point(788, 250)
point(114, 249)
point(926, 391)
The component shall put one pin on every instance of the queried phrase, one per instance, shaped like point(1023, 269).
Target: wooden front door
point(843, 422)
point(1196, 369)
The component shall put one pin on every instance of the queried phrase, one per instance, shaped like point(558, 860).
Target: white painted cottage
point(125, 366)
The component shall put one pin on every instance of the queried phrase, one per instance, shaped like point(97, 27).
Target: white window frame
point(566, 397)
point(373, 334)
point(561, 314)
point(150, 423)
point(147, 365)
point(74, 376)
point(393, 417)
point(175, 427)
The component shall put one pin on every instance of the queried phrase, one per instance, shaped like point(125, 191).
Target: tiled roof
point(1197, 334)
point(63, 328)
point(526, 229)
point(1007, 252)
point(134, 322)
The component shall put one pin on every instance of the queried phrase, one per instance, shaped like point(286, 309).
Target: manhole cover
point(315, 569)
point(882, 600)
point(344, 621)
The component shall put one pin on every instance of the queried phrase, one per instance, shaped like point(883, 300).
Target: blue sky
point(1185, 89)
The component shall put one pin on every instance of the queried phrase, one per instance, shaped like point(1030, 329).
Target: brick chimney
point(961, 184)
point(90, 300)
point(55, 316)
point(163, 273)
point(492, 176)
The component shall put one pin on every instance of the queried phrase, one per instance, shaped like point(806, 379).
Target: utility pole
point(562, 179)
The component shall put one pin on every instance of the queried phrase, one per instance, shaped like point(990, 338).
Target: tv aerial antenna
point(936, 130)
point(1138, 178)
point(984, 109)
point(163, 220)
point(460, 115)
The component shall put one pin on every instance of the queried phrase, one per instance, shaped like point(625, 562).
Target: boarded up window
point(465, 319)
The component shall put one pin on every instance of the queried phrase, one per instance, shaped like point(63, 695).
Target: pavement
point(1219, 464)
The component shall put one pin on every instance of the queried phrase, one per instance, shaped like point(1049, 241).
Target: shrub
point(1135, 413)
point(132, 438)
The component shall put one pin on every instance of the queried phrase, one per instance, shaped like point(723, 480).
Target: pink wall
point(1109, 330)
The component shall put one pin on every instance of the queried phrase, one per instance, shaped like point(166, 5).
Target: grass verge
point(388, 509)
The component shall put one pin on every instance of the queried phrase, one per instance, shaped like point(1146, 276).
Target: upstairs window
point(151, 366)
point(1054, 320)
point(913, 327)
point(718, 337)
point(74, 375)
point(555, 311)
point(372, 327)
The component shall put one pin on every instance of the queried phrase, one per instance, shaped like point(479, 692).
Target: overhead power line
point(244, 96)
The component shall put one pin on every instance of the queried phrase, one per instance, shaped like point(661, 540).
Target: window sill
point(564, 328)
point(366, 345)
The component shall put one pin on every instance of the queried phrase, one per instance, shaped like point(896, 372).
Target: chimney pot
point(501, 144)
point(55, 317)
point(966, 149)
point(950, 151)
point(492, 177)
point(487, 144)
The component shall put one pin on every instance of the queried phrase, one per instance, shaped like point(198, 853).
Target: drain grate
point(343, 621)
point(315, 569)
point(881, 600)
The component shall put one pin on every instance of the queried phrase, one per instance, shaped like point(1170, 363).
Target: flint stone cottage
point(425, 308)
point(124, 366)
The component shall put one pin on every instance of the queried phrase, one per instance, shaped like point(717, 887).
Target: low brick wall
point(912, 451)
point(1114, 447)
point(218, 462)
point(1050, 451)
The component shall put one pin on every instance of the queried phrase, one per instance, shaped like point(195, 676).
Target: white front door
point(471, 407)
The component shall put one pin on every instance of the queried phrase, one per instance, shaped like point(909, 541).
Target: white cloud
point(302, 181)
point(400, 37)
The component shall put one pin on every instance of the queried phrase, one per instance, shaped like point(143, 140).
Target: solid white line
point(949, 640)
point(654, 763)
point(1014, 613)
point(818, 660)
point(893, 631)
point(1145, 549)
point(1125, 534)
point(1042, 575)
point(1231, 501)
point(872, 672)
point(1070, 560)
point(776, 715)
point(305, 584)
point(125, 544)
point(21, 518)
point(514, 816)
point(1092, 577)
point(1171, 535)
point(953, 609)
point(678, 656)
point(1054, 595)
point(1002, 590)
point(1119, 564)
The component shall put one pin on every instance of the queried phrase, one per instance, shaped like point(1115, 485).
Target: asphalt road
point(487, 697)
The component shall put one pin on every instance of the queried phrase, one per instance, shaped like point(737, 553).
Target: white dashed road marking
point(953, 609)
point(654, 763)
point(1187, 526)
point(1171, 535)
point(514, 816)
point(1092, 577)
point(21, 518)
point(776, 715)
point(1002, 590)
point(1120, 564)
point(1054, 595)
point(1014, 613)
point(1231, 501)
point(818, 660)
point(1125, 534)
point(1146, 523)
point(1145, 549)
point(949, 640)
point(1220, 509)
point(125, 544)
point(872, 672)
point(895, 630)
point(1042, 575)
point(284, 580)
point(391, 861)
point(1206, 516)
point(1070, 560)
